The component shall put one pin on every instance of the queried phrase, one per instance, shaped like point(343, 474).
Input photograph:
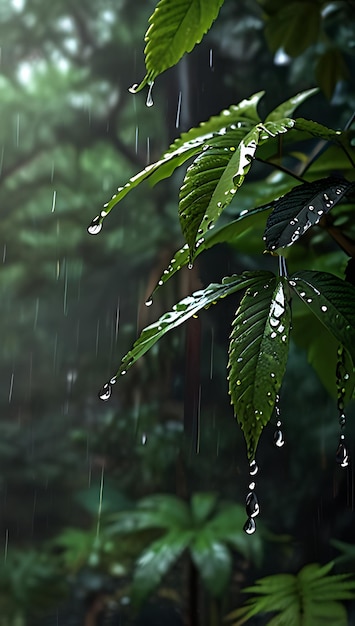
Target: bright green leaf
point(258, 355)
point(202, 505)
point(175, 28)
point(286, 109)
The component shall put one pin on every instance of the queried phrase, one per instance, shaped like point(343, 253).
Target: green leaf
point(173, 510)
point(213, 560)
point(156, 561)
point(227, 525)
point(228, 172)
point(287, 108)
point(182, 311)
point(321, 348)
point(243, 115)
point(258, 355)
point(294, 27)
point(318, 130)
point(175, 28)
point(308, 599)
point(301, 208)
point(332, 300)
point(202, 505)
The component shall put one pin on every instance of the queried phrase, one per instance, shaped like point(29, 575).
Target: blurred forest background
point(72, 304)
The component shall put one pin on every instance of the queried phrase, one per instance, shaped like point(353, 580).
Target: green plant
point(311, 182)
point(310, 598)
point(205, 528)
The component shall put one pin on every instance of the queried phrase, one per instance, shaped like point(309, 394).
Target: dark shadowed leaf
point(182, 311)
point(330, 69)
point(257, 356)
point(175, 28)
point(213, 560)
point(294, 27)
point(155, 562)
point(301, 208)
point(332, 300)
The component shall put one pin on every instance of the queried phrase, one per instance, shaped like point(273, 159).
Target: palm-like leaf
point(309, 599)
point(258, 355)
point(175, 28)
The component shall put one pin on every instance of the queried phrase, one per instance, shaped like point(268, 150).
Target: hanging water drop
point(252, 505)
point(342, 455)
point(190, 266)
point(105, 392)
point(249, 526)
point(95, 226)
point(133, 88)
point(279, 438)
point(149, 302)
point(253, 468)
point(149, 101)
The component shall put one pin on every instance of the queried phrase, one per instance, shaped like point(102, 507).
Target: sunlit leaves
point(310, 598)
point(332, 300)
point(182, 311)
point(258, 355)
point(301, 208)
point(175, 28)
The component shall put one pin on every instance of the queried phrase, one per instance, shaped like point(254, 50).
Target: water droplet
point(105, 392)
point(252, 485)
point(149, 302)
point(342, 455)
point(149, 101)
point(253, 468)
point(95, 226)
point(133, 88)
point(278, 438)
point(190, 266)
point(113, 380)
point(239, 382)
point(252, 505)
point(342, 419)
point(249, 526)
point(123, 372)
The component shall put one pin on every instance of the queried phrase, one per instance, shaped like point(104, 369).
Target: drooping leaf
point(287, 108)
point(155, 562)
point(182, 311)
point(175, 28)
point(213, 560)
point(301, 208)
point(257, 356)
point(332, 300)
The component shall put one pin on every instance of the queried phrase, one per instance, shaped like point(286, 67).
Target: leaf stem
point(282, 169)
